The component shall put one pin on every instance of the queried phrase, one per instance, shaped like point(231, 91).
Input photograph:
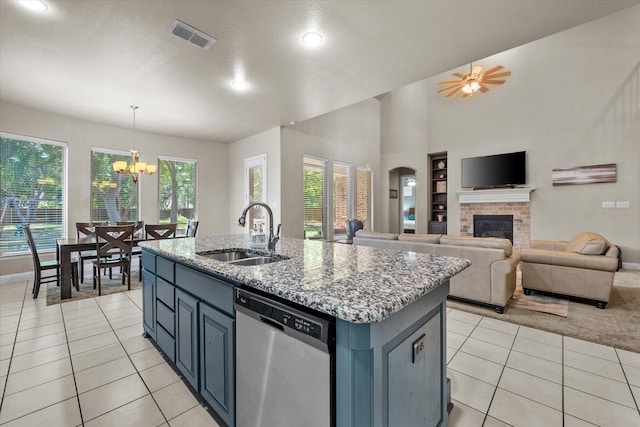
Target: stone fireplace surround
point(514, 202)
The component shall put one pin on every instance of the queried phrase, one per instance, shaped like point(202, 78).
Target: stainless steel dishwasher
point(285, 364)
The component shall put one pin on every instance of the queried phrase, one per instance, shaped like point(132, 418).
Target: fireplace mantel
point(497, 195)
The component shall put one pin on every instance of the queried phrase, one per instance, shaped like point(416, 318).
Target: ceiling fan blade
point(492, 76)
point(476, 70)
point(459, 75)
point(493, 70)
point(450, 81)
point(454, 91)
point(494, 82)
point(443, 89)
point(483, 89)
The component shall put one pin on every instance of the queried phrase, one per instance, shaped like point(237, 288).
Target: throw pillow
point(587, 243)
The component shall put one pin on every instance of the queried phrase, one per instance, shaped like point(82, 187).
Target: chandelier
point(135, 168)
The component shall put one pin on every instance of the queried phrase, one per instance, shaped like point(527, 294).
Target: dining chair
point(138, 233)
point(192, 227)
point(87, 229)
point(41, 266)
point(158, 232)
point(113, 249)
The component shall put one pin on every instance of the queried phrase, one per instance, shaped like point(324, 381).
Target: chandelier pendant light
point(135, 168)
point(475, 80)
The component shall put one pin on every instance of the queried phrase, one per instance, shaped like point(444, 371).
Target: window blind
point(114, 196)
point(177, 187)
point(33, 174)
point(314, 197)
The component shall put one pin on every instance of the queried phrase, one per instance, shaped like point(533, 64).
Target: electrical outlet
point(624, 204)
point(608, 205)
point(418, 348)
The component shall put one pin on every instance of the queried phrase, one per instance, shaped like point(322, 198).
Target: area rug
point(109, 286)
point(537, 302)
point(618, 325)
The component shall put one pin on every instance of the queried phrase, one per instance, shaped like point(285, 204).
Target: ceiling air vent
point(191, 35)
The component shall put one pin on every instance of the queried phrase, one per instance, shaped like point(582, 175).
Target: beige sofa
point(583, 267)
point(490, 280)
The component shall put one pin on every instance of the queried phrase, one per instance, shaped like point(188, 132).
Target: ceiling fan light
point(467, 88)
point(475, 86)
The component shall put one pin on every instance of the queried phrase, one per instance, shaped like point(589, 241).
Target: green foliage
point(177, 187)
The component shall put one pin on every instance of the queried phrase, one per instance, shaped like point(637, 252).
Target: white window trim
point(65, 171)
point(251, 162)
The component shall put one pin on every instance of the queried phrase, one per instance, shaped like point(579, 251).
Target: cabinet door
point(149, 303)
point(187, 336)
point(217, 369)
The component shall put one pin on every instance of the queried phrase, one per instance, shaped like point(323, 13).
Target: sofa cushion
point(376, 235)
point(586, 243)
point(421, 238)
point(479, 242)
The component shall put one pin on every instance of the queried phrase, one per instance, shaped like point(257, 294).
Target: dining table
point(67, 246)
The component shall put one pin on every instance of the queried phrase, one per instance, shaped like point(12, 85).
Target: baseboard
point(631, 265)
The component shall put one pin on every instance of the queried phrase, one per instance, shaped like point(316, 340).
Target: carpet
point(109, 286)
point(618, 325)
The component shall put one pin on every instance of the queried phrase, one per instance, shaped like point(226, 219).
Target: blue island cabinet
point(190, 317)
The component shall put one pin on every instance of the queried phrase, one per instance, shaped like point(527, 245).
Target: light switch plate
point(624, 204)
point(608, 205)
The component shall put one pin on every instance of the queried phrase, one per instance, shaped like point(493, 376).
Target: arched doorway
point(402, 200)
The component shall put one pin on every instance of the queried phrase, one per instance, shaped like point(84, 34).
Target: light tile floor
point(85, 363)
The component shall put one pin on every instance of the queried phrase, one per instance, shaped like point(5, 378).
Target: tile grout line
point(15, 337)
point(628, 383)
point(73, 371)
point(495, 390)
point(134, 366)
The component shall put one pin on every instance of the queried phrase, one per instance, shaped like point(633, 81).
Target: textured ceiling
point(92, 59)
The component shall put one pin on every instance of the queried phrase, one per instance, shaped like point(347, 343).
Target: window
point(33, 192)
point(314, 197)
point(114, 196)
point(177, 188)
point(363, 196)
point(255, 185)
point(342, 200)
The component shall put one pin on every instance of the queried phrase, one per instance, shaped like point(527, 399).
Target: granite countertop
point(357, 284)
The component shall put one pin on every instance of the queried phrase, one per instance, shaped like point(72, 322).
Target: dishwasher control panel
point(287, 317)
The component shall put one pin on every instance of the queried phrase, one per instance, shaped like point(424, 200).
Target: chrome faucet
point(273, 240)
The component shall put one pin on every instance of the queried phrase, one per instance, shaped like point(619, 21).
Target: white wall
point(267, 142)
point(80, 136)
point(351, 135)
point(403, 143)
point(573, 99)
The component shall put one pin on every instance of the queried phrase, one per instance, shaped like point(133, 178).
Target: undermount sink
point(239, 256)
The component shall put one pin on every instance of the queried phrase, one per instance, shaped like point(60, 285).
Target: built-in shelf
point(496, 195)
point(438, 200)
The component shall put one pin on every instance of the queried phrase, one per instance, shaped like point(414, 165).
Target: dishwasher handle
point(272, 323)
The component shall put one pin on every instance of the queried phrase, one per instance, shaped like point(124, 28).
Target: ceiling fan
point(475, 80)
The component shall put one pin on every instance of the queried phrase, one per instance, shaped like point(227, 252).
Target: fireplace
point(493, 226)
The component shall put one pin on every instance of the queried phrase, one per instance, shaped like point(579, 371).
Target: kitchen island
point(388, 307)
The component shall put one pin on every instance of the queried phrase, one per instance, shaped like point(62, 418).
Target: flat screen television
point(500, 170)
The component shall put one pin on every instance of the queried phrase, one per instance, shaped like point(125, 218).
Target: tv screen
point(500, 170)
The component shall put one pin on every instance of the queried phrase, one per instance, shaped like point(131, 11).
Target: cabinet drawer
point(149, 262)
point(165, 292)
point(165, 269)
point(213, 291)
point(166, 318)
point(166, 343)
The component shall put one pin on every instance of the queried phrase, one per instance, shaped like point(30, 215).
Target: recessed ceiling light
point(239, 85)
point(312, 39)
point(36, 5)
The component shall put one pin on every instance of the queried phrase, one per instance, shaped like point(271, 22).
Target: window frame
point(322, 163)
point(195, 195)
point(64, 188)
point(123, 176)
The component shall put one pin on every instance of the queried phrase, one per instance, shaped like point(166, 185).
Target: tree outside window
point(114, 196)
point(177, 188)
point(33, 192)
